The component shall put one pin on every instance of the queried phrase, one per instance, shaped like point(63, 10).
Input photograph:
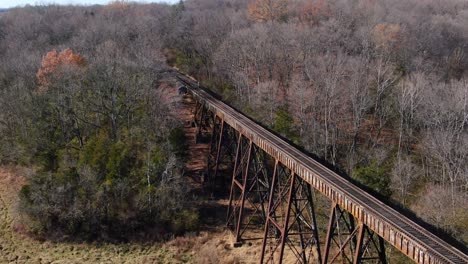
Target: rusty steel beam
point(214, 152)
point(239, 186)
point(249, 189)
point(397, 230)
point(369, 247)
point(201, 121)
point(276, 223)
point(353, 244)
point(290, 220)
point(341, 233)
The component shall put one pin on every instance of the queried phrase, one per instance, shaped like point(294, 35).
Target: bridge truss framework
point(274, 185)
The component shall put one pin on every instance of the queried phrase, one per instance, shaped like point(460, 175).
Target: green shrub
point(374, 176)
point(95, 152)
point(177, 141)
point(188, 63)
point(186, 220)
point(283, 121)
point(119, 161)
point(106, 193)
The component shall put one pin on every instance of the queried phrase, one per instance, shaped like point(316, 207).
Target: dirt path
point(182, 107)
point(197, 152)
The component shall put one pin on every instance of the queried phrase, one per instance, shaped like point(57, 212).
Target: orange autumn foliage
point(268, 10)
point(314, 11)
point(52, 62)
point(387, 36)
point(118, 5)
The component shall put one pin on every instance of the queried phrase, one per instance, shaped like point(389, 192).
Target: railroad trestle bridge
point(274, 186)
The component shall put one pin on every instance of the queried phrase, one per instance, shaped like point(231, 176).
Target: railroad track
point(430, 248)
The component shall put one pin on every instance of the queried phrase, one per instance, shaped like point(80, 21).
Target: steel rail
point(407, 236)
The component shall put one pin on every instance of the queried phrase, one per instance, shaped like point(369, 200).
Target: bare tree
point(409, 99)
point(404, 173)
point(327, 73)
point(360, 100)
point(386, 77)
point(432, 206)
point(445, 117)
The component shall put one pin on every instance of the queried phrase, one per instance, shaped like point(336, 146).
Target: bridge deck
point(407, 236)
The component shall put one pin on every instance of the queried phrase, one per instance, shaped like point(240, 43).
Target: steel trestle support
point(223, 145)
point(280, 203)
point(290, 220)
point(249, 189)
point(348, 239)
point(350, 243)
point(201, 120)
point(215, 149)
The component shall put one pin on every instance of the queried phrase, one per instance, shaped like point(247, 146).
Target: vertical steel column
point(314, 225)
point(367, 248)
point(241, 168)
point(279, 208)
point(230, 213)
point(196, 110)
point(243, 194)
point(330, 230)
point(200, 117)
point(249, 189)
point(381, 250)
point(269, 211)
point(305, 224)
point(197, 114)
point(200, 124)
point(355, 244)
point(341, 231)
point(218, 149)
point(258, 188)
point(290, 219)
point(217, 137)
point(284, 232)
point(222, 151)
point(359, 250)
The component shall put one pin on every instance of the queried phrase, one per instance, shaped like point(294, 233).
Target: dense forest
point(78, 102)
point(377, 88)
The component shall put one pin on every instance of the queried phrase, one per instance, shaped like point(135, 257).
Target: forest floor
point(212, 244)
